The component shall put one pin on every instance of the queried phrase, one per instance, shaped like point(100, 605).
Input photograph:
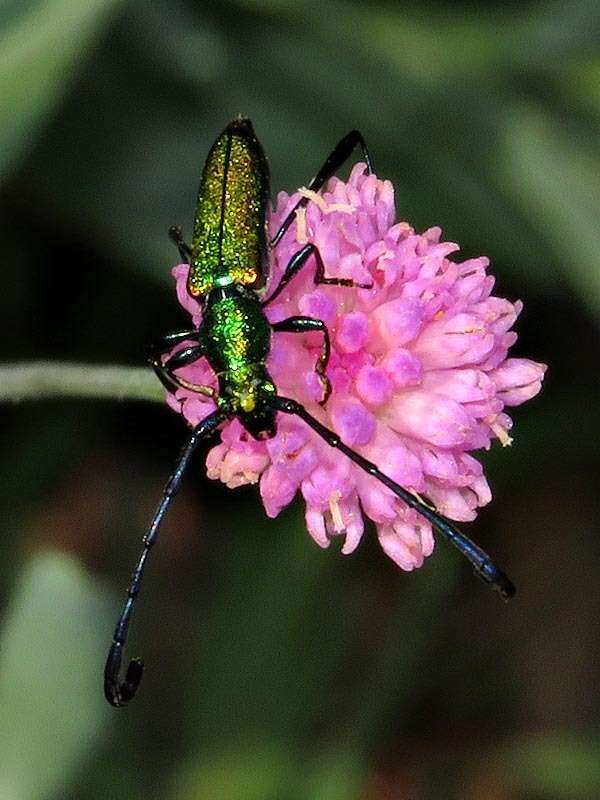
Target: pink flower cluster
point(419, 373)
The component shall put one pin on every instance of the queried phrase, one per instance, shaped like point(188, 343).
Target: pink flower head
point(419, 374)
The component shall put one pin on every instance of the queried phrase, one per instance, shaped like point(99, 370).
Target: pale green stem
point(44, 380)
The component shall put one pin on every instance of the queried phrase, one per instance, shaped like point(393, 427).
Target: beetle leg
point(301, 325)
point(298, 260)
point(167, 342)
point(340, 153)
point(176, 236)
point(164, 343)
point(166, 372)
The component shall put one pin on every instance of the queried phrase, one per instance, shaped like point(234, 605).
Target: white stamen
point(422, 500)
point(301, 233)
point(501, 433)
point(336, 514)
point(326, 208)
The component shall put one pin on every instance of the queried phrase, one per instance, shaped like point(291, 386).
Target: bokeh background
point(277, 671)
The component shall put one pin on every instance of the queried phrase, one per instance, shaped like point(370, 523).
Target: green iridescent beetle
point(228, 275)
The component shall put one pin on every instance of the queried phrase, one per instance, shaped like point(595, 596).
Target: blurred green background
point(277, 671)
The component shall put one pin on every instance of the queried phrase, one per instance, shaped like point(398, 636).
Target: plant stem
point(44, 380)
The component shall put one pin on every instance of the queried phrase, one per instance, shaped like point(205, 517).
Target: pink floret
point(418, 368)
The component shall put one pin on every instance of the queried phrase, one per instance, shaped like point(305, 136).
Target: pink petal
point(373, 385)
point(354, 423)
point(406, 543)
point(518, 380)
point(352, 332)
point(430, 418)
point(403, 367)
point(399, 321)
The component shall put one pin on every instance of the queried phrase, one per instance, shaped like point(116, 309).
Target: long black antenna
point(484, 567)
point(120, 693)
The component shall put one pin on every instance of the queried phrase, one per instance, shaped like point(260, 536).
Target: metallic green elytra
point(229, 243)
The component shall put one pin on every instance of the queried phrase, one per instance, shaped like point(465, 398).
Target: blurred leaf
point(436, 45)
point(269, 771)
point(260, 773)
point(548, 32)
point(41, 44)
point(51, 650)
point(337, 775)
point(283, 633)
point(396, 678)
point(555, 177)
point(561, 766)
point(581, 83)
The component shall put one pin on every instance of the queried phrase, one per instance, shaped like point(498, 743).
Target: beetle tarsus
point(116, 692)
point(176, 236)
